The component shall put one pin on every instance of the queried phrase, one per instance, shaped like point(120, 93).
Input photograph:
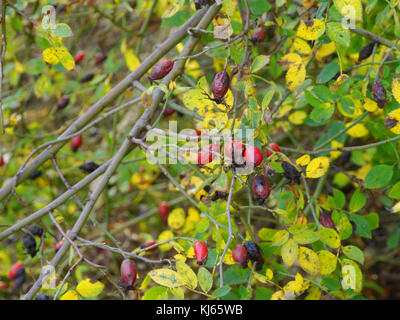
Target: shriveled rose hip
point(63, 102)
point(128, 272)
point(326, 221)
point(379, 93)
point(201, 252)
point(261, 187)
point(161, 69)
point(258, 35)
point(101, 56)
point(366, 51)
point(220, 85)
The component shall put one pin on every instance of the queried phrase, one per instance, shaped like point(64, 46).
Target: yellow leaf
point(357, 131)
point(176, 218)
point(396, 89)
point(70, 295)
point(301, 46)
point(290, 251)
point(66, 59)
point(269, 274)
point(303, 160)
point(50, 56)
point(327, 261)
point(309, 260)
point(298, 286)
point(165, 235)
point(289, 60)
point(314, 293)
point(317, 167)
point(335, 144)
point(279, 295)
point(132, 61)
point(295, 76)
point(370, 105)
point(186, 274)
point(166, 277)
point(311, 30)
point(180, 257)
point(297, 117)
point(228, 259)
point(89, 289)
point(392, 121)
point(349, 8)
point(325, 50)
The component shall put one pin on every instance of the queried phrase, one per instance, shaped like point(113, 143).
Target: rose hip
point(161, 69)
point(273, 146)
point(253, 154)
point(220, 85)
point(201, 252)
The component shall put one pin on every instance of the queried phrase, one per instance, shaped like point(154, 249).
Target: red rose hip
point(101, 56)
point(235, 150)
point(239, 255)
point(79, 56)
point(163, 209)
point(128, 272)
point(201, 252)
point(258, 35)
point(1, 161)
point(149, 244)
point(76, 142)
point(161, 69)
point(254, 155)
point(273, 146)
point(220, 85)
point(14, 270)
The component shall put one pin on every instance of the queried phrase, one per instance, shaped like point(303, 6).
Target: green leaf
point(258, 7)
point(354, 253)
point(342, 223)
point(379, 176)
point(395, 191)
point(62, 30)
point(289, 252)
point(266, 234)
point(156, 293)
point(328, 72)
point(330, 237)
point(259, 63)
point(338, 34)
point(305, 237)
point(362, 226)
point(322, 113)
point(357, 201)
point(373, 220)
point(220, 292)
point(267, 98)
point(340, 198)
point(331, 283)
point(205, 279)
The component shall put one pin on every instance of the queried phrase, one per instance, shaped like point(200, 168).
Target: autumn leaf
point(317, 167)
point(311, 30)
